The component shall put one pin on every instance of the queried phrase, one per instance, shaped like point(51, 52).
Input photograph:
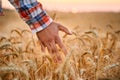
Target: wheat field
point(93, 54)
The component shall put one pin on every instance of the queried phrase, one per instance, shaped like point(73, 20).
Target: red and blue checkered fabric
point(32, 13)
point(0, 6)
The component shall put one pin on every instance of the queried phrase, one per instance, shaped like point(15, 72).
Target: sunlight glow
point(77, 5)
point(82, 5)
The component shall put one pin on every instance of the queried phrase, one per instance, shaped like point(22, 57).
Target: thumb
point(64, 29)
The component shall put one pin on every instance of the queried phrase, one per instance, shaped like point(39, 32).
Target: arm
point(32, 13)
point(47, 31)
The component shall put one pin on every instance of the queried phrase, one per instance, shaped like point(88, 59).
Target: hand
point(49, 37)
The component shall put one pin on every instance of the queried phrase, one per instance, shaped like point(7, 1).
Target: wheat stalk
point(9, 69)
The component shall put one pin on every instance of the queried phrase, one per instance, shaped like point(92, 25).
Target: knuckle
point(42, 41)
point(50, 40)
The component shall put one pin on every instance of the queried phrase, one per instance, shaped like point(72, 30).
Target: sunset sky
point(77, 5)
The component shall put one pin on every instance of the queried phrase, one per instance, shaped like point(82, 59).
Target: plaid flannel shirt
point(0, 6)
point(32, 13)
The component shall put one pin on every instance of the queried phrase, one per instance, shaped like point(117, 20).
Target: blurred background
point(77, 5)
point(71, 13)
point(91, 56)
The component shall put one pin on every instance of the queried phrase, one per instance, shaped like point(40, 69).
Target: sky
point(77, 5)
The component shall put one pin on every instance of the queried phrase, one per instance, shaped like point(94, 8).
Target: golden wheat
point(89, 57)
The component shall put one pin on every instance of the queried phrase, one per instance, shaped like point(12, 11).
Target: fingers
point(49, 48)
point(61, 45)
point(64, 29)
point(49, 38)
point(42, 47)
point(55, 52)
point(52, 49)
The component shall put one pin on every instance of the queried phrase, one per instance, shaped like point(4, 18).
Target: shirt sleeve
point(0, 6)
point(32, 13)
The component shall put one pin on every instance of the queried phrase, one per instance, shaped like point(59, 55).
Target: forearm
point(32, 13)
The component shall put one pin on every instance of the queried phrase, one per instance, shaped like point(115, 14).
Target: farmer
point(39, 21)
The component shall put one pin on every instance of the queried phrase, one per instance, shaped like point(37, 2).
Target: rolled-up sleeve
point(32, 13)
point(0, 6)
